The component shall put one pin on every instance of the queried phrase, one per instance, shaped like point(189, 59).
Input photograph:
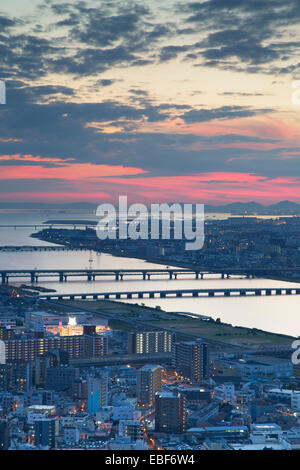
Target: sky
point(160, 101)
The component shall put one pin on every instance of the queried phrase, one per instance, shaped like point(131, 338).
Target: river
point(278, 314)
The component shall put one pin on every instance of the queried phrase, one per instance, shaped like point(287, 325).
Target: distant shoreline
point(160, 261)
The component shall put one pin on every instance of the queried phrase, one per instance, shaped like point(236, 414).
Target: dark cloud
point(242, 31)
point(91, 40)
point(171, 52)
point(106, 81)
point(19, 93)
point(59, 130)
point(139, 92)
point(96, 27)
point(238, 93)
point(238, 35)
point(224, 112)
point(6, 23)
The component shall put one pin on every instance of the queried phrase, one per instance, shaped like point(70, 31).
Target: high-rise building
point(6, 333)
point(41, 364)
point(97, 393)
point(45, 432)
point(170, 413)
point(77, 346)
point(80, 388)
point(4, 435)
point(61, 379)
point(131, 428)
point(149, 342)
point(149, 381)
point(191, 360)
point(16, 377)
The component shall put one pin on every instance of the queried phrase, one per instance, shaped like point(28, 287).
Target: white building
point(104, 414)
point(124, 443)
point(125, 412)
point(265, 433)
point(225, 392)
point(37, 412)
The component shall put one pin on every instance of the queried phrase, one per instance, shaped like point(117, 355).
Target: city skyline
point(182, 102)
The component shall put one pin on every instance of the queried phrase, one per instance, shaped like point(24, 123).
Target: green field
point(129, 316)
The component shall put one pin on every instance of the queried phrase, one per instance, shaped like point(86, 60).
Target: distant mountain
point(282, 207)
point(236, 208)
point(285, 206)
point(48, 206)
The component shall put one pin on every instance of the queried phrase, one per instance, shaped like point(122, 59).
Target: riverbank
point(161, 261)
point(130, 317)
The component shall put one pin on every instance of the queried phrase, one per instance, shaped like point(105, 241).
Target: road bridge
point(151, 294)
point(63, 275)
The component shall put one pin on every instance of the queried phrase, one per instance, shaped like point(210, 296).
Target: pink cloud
point(74, 171)
point(214, 187)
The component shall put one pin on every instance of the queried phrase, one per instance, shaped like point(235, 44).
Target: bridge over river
point(63, 275)
point(151, 294)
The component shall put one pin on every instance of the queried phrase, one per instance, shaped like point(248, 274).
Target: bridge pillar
point(162, 294)
point(32, 277)
point(211, 294)
point(171, 275)
point(144, 276)
point(151, 295)
point(89, 276)
point(268, 292)
point(4, 278)
point(223, 276)
point(195, 294)
point(117, 275)
point(121, 277)
point(226, 293)
point(61, 277)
